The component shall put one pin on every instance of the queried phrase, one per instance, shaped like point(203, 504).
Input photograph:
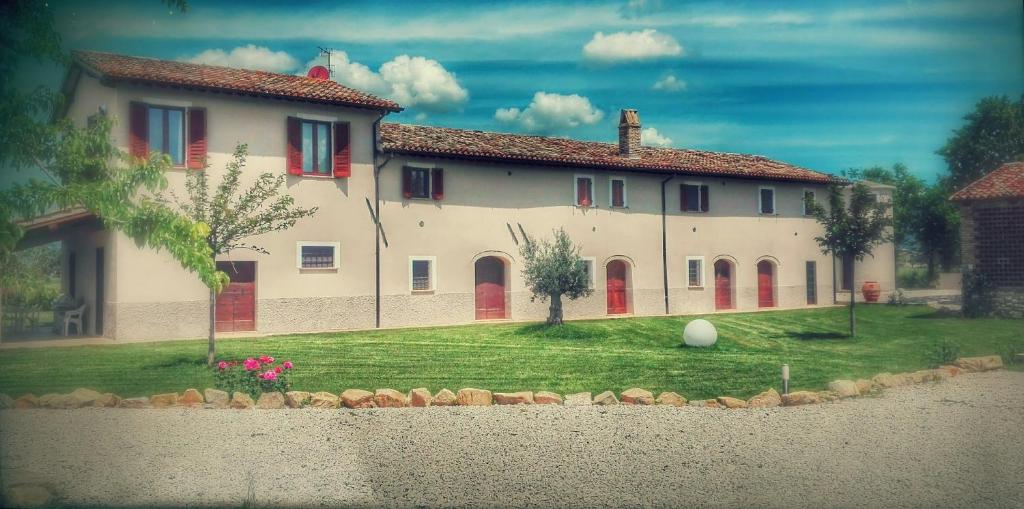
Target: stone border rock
point(421, 397)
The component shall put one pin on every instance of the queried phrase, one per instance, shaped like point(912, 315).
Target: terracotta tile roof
point(482, 145)
point(225, 79)
point(1007, 181)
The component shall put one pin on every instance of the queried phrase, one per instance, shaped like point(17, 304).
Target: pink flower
point(277, 369)
point(251, 364)
point(222, 365)
point(270, 360)
point(270, 375)
point(266, 360)
point(287, 364)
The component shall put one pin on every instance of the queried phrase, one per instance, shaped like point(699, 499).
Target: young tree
point(553, 269)
point(852, 232)
point(234, 217)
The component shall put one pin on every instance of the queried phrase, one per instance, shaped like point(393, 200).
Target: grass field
point(592, 356)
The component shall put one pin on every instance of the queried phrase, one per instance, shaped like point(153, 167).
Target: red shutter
point(406, 182)
point(437, 183)
point(617, 198)
point(705, 203)
point(294, 154)
point(682, 198)
point(196, 138)
point(583, 195)
point(138, 130)
point(342, 151)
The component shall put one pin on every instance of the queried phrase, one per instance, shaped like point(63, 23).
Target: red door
point(765, 286)
point(723, 285)
point(616, 287)
point(490, 288)
point(236, 305)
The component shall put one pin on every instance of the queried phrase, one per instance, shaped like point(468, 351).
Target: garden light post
point(785, 378)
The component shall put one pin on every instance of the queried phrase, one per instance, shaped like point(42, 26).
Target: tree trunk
point(931, 267)
point(853, 299)
point(212, 351)
point(555, 309)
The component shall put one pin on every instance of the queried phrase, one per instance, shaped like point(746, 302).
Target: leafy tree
point(993, 135)
point(906, 198)
point(78, 166)
point(852, 231)
point(937, 226)
point(235, 216)
point(553, 269)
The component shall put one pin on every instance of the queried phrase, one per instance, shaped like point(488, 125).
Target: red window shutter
point(196, 138)
point(294, 154)
point(682, 198)
point(406, 182)
point(617, 198)
point(138, 130)
point(705, 202)
point(342, 151)
point(437, 183)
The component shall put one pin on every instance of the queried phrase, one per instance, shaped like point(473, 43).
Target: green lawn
point(592, 356)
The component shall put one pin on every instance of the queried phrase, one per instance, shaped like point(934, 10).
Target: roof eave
point(571, 164)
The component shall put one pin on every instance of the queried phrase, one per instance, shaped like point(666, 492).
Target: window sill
point(313, 270)
point(423, 292)
point(312, 176)
point(693, 212)
point(701, 288)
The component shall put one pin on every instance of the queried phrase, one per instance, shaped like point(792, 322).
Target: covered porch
point(36, 312)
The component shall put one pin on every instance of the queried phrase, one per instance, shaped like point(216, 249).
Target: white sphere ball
point(700, 333)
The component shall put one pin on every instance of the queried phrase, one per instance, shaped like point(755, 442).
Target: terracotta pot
point(871, 290)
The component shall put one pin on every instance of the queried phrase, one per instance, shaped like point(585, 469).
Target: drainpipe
point(376, 214)
point(664, 243)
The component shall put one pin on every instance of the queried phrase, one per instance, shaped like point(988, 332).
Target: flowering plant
point(253, 376)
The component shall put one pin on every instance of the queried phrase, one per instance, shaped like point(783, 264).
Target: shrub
point(976, 292)
point(943, 352)
point(897, 298)
point(915, 277)
point(252, 376)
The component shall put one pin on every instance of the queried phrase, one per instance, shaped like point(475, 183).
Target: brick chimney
point(629, 134)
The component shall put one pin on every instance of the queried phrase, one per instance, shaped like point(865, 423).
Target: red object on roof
point(1007, 181)
point(319, 72)
point(482, 145)
point(121, 68)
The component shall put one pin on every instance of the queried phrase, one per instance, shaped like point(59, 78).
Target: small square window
point(588, 267)
point(695, 272)
point(422, 274)
point(694, 197)
point(314, 255)
point(766, 200)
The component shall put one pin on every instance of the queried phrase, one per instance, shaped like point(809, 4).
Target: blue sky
point(826, 85)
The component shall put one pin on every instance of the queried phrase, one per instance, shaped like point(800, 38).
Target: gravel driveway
point(952, 444)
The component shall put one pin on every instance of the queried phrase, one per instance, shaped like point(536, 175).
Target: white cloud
point(551, 112)
point(669, 84)
point(651, 137)
point(247, 57)
point(623, 46)
point(413, 82)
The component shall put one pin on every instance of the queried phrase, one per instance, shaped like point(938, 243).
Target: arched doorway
point(617, 303)
point(765, 284)
point(723, 285)
point(490, 288)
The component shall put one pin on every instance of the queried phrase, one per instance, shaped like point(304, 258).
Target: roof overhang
point(56, 226)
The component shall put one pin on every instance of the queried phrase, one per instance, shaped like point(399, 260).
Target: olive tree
point(851, 231)
point(552, 269)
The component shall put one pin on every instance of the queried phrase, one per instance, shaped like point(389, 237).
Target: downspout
point(664, 243)
point(376, 216)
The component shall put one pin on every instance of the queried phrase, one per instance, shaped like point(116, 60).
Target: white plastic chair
point(74, 317)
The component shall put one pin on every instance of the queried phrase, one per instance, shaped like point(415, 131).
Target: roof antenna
point(327, 52)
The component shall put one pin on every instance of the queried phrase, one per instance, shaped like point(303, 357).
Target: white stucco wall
point(152, 297)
